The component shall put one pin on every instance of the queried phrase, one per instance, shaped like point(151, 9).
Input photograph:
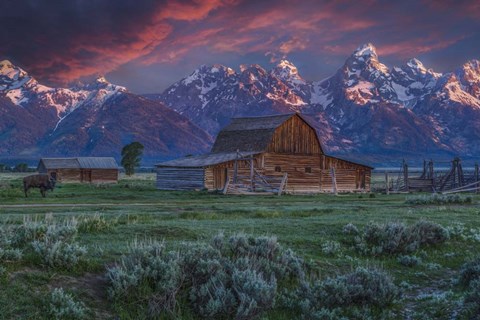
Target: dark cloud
point(146, 44)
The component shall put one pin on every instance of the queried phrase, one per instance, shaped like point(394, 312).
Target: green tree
point(131, 157)
point(21, 167)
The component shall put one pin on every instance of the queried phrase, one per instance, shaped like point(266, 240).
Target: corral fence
point(436, 177)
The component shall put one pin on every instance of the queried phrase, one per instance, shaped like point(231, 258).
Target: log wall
point(294, 136)
point(349, 176)
point(177, 178)
point(103, 176)
point(85, 175)
point(303, 171)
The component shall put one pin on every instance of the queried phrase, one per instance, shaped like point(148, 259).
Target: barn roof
point(204, 160)
point(250, 134)
point(80, 163)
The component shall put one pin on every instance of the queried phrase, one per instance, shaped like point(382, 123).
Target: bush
point(438, 199)
point(95, 223)
point(10, 254)
point(396, 237)
point(409, 261)
point(58, 253)
point(332, 297)
point(469, 272)
point(350, 229)
point(233, 277)
point(63, 306)
point(330, 247)
point(471, 301)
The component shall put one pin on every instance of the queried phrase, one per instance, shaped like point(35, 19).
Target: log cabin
point(280, 153)
point(80, 169)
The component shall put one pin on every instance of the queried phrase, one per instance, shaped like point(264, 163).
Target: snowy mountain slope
point(93, 119)
point(365, 107)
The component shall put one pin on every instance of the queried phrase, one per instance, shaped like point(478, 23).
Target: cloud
point(60, 41)
point(63, 40)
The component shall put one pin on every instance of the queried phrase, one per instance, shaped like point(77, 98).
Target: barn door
point(219, 178)
point(360, 180)
point(88, 175)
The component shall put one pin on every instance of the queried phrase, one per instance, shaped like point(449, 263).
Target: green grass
point(138, 211)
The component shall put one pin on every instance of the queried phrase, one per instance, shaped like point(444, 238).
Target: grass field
point(312, 226)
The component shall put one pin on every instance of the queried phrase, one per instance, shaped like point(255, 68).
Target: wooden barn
point(280, 153)
point(81, 169)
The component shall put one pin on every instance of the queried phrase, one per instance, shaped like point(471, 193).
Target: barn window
point(278, 169)
point(308, 169)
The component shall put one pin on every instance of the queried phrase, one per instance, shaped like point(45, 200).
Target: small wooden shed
point(80, 169)
point(269, 153)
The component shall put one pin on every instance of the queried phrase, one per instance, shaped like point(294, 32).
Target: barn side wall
point(66, 175)
point(104, 175)
point(349, 176)
point(178, 178)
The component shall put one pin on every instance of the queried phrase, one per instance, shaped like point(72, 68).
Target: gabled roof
point(250, 134)
point(204, 160)
point(79, 163)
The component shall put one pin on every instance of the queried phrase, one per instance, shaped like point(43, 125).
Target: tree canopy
point(131, 157)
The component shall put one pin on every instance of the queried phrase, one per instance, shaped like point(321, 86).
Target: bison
point(42, 181)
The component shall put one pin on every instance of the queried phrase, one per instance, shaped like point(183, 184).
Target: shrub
point(396, 237)
point(438, 199)
point(330, 247)
point(350, 229)
point(10, 254)
point(58, 253)
point(469, 272)
point(409, 261)
point(31, 230)
point(63, 306)
point(149, 272)
point(95, 223)
point(471, 301)
point(339, 296)
point(234, 277)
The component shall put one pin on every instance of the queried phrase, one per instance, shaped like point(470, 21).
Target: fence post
point(387, 187)
point(405, 175)
point(334, 181)
point(252, 184)
point(477, 177)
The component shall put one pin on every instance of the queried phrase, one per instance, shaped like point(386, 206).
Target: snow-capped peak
point(11, 76)
point(285, 64)
point(417, 65)
point(287, 71)
point(101, 79)
point(366, 50)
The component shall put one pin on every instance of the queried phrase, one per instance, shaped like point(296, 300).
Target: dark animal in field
point(42, 181)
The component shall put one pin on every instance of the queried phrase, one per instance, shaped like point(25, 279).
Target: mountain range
point(92, 119)
point(365, 111)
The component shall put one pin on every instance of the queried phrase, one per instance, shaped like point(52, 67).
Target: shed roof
point(80, 163)
point(249, 134)
point(204, 160)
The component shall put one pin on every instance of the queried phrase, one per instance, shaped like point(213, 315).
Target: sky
point(147, 45)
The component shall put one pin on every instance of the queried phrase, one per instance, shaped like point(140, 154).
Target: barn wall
point(66, 175)
point(295, 136)
point(296, 166)
point(177, 178)
point(215, 175)
point(349, 176)
point(104, 175)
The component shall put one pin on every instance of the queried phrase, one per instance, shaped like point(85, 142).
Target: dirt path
point(74, 205)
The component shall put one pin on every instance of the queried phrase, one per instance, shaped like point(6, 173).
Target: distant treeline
point(19, 167)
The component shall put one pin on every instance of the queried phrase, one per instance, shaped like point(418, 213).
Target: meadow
point(103, 228)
